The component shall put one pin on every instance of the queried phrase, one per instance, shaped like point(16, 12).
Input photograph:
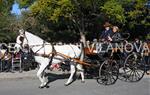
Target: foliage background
point(65, 20)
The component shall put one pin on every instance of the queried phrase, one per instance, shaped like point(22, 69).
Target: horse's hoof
point(47, 86)
point(67, 84)
point(41, 87)
point(44, 86)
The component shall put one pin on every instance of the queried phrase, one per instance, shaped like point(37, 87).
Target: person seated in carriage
point(115, 38)
point(105, 36)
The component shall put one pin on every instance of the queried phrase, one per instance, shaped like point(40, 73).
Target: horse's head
point(21, 41)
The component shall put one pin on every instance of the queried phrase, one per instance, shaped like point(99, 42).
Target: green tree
point(24, 3)
point(114, 11)
point(131, 14)
point(79, 13)
point(84, 16)
point(6, 20)
point(137, 18)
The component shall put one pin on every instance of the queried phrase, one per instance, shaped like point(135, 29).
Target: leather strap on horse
point(53, 54)
point(63, 55)
point(74, 59)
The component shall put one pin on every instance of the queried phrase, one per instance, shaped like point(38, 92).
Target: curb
point(23, 75)
point(17, 75)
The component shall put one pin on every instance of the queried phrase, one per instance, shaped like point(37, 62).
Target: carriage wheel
point(133, 69)
point(108, 72)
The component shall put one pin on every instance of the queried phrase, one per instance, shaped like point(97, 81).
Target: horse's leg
point(41, 72)
point(79, 66)
point(81, 70)
point(72, 69)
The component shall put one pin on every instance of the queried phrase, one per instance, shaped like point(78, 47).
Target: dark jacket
point(116, 37)
point(105, 34)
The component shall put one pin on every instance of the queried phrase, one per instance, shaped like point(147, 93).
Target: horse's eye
point(21, 38)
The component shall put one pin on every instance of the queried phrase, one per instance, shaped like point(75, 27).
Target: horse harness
point(54, 53)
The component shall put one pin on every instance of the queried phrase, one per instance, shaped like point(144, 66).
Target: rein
point(74, 59)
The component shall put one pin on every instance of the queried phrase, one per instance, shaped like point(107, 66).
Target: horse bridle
point(42, 46)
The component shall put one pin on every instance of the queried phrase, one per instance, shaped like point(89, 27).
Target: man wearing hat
point(105, 36)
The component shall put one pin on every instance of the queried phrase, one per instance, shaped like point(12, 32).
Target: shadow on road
point(53, 77)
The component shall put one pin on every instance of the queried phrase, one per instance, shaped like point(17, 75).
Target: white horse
point(40, 47)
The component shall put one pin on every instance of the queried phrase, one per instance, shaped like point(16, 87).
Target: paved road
point(29, 86)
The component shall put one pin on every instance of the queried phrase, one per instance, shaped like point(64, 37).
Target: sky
point(16, 10)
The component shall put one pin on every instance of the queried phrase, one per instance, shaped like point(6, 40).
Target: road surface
point(29, 86)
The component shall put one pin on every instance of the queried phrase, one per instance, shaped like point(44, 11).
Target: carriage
point(108, 67)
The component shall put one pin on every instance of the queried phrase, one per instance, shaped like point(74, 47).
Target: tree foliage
point(24, 3)
point(6, 21)
point(114, 11)
point(86, 15)
point(77, 15)
point(67, 19)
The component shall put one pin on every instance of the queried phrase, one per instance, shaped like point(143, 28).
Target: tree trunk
point(83, 38)
point(82, 29)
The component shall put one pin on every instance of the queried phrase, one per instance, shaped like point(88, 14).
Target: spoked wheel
point(108, 72)
point(133, 69)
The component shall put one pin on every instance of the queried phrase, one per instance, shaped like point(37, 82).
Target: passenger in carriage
point(115, 38)
point(105, 36)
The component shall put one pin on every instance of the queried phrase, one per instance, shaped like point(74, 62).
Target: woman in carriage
point(115, 38)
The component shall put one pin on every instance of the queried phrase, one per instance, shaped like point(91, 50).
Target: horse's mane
point(33, 39)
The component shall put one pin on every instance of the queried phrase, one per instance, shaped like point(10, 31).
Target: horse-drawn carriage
point(106, 67)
